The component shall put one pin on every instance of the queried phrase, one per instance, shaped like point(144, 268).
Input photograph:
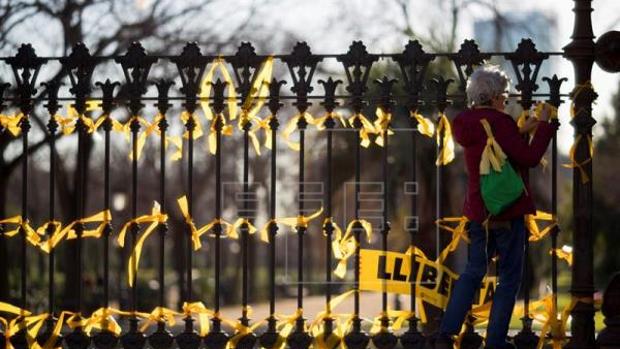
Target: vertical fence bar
point(270, 337)
point(216, 338)
point(328, 226)
point(52, 126)
point(106, 339)
point(162, 338)
point(413, 63)
point(385, 339)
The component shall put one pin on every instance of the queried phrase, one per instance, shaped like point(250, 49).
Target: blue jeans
point(509, 245)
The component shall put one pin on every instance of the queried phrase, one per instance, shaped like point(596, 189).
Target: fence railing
point(242, 87)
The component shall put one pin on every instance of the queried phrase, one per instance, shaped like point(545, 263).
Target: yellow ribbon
point(227, 130)
point(320, 121)
point(218, 64)
point(531, 224)
point(147, 129)
point(446, 155)
point(365, 131)
point(24, 321)
point(580, 165)
point(458, 233)
point(155, 218)
point(344, 245)
point(229, 230)
point(12, 123)
point(425, 126)
point(492, 156)
point(381, 126)
point(197, 132)
point(102, 319)
point(24, 225)
point(242, 330)
point(203, 313)
point(68, 232)
point(291, 126)
point(159, 314)
point(565, 253)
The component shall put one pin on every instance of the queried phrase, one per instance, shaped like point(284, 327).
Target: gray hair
point(486, 83)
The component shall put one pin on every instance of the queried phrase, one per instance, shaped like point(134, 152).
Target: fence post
point(580, 51)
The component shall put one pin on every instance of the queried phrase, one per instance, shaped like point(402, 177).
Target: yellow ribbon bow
point(198, 232)
point(425, 126)
point(381, 126)
point(203, 313)
point(155, 218)
point(344, 245)
point(531, 224)
point(24, 225)
point(300, 220)
point(24, 321)
point(259, 92)
point(159, 314)
point(68, 232)
point(147, 129)
point(444, 132)
point(12, 123)
point(102, 319)
point(365, 131)
point(241, 330)
point(291, 126)
point(492, 156)
point(458, 233)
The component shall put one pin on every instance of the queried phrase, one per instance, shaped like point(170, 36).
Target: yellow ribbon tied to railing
point(24, 321)
point(255, 100)
point(241, 330)
point(580, 88)
point(344, 245)
point(291, 126)
point(148, 129)
point(320, 121)
point(159, 314)
point(565, 253)
point(531, 223)
point(300, 220)
point(340, 327)
point(196, 233)
point(218, 64)
point(226, 130)
point(11, 123)
point(68, 232)
point(103, 319)
point(23, 225)
point(458, 233)
point(366, 129)
point(155, 218)
point(425, 125)
point(203, 313)
point(382, 126)
point(197, 131)
point(445, 141)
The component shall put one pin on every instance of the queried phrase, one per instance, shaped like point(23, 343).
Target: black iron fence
point(208, 88)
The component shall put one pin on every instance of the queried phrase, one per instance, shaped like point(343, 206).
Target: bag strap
point(492, 155)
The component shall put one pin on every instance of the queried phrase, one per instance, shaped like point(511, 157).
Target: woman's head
point(487, 86)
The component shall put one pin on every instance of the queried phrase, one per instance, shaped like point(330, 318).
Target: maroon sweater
point(469, 133)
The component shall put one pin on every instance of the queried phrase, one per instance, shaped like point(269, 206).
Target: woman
point(487, 90)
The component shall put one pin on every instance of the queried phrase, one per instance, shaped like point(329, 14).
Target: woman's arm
point(516, 146)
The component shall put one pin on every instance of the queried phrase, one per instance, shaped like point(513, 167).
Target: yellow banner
point(434, 281)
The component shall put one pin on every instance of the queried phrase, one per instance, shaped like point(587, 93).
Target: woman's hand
point(529, 125)
point(545, 113)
